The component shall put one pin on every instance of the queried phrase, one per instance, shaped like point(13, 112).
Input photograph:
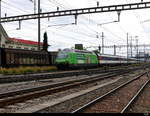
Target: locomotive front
point(62, 60)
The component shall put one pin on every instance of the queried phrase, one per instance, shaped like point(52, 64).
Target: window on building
point(32, 48)
point(18, 47)
point(26, 48)
point(10, 46)
point(3, 46)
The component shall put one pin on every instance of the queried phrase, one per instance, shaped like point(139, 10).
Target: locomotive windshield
point(62, 55)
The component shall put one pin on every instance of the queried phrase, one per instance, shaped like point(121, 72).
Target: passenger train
point(67, 58)
point(72, 58)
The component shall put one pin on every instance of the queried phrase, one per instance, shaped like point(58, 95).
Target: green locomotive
point(71, 58)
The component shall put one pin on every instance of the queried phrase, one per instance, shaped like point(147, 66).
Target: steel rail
point(15, 99)
point(82, 108)
point(135, 97)
point(23, 91)
point(42, 76)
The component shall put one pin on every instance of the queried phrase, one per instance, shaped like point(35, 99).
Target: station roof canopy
point(22, 41)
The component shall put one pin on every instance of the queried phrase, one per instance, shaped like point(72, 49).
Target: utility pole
point(80, 11)
point(137, 46)
point(76, 19)
point(99, 48)
point(39, 24)
point(0, 23)
point(114, 50)
point(127, 46)
point(0, 11)
point(144, 53)
point(34, 6)
point(102, 42)
point(131, 46)
point(118, 12)
point(34, 2)
point(97, 3)
point(144, 48)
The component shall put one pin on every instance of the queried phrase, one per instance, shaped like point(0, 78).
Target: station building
point(8, 42)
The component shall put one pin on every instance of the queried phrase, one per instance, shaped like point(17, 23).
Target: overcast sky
point(85, 32)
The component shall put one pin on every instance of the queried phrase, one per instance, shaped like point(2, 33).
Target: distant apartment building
point(16, 43)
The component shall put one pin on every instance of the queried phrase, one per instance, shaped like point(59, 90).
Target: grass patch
point(26, 70)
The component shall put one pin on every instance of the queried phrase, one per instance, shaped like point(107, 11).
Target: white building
point(7, 42)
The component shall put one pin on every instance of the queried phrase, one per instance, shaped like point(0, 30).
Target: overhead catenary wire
point(142, 26)
point(30, 26)
point(94, 31)
point(103, 28)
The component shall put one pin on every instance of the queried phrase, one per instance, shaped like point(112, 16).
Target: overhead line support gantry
point(76, 12)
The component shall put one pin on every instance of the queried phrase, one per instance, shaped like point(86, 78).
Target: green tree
point(45, 43)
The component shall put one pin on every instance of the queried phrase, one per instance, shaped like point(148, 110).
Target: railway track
point(141, 103)
point(26, 94)
point(135, 97)
point(117, 100)
point(59, 74)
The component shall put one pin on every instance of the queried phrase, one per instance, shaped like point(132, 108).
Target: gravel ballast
point(71, 105)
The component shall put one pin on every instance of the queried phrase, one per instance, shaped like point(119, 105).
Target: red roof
point(27, 42)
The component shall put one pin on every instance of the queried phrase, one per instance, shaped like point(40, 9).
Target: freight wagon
point(18, 57)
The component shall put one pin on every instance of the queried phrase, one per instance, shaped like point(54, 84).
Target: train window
point(81, 56)
point(62, 55)
point(18, 47)
point(26, 48)
point(32, 48)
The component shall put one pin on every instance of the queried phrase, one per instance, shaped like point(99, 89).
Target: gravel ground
point(71, 105)
point(142, 104)
point(30, 103)
point(30, 84)
point(117, 101)
point(26, 85)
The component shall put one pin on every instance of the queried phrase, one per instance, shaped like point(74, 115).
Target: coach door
point(88, 60)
